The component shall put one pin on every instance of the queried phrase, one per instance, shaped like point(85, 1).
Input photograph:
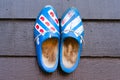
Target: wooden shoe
point(47, 38)
point(72, 33)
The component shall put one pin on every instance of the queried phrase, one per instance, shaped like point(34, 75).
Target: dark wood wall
point(100, 59)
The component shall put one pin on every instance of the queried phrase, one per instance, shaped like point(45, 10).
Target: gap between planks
point(82, 57)
point(33, 19)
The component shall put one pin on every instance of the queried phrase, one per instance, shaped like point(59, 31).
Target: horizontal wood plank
point(89, 9)
point(17, 38)
point(88, 69)
point(101, 38)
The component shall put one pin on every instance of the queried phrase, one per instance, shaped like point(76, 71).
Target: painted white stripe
point(50, 25)
point(67, 17)
point(37, 41)
point(73, 23)
point(40, 28)
point(53, 17)
point(79, 30)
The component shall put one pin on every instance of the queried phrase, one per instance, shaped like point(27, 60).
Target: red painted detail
point(37, 26)
point(52, 28)
point(47, 23)
point(56, 20)
point(42, 18)
point(52, 14)
point(69, 14)
point(41, 30)
point(63, 22)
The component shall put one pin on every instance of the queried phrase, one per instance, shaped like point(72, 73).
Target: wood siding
point(100, 59)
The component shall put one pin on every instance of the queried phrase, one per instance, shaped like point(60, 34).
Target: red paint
point(56, 20)
point(37, 26)
point(52, 28)
point(41, 30)
point(52, 14)
point(42, 18)
point(63, 22)
point(69, 14)
point(47, 23)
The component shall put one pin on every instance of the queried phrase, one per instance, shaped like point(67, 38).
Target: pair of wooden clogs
point(58, 42)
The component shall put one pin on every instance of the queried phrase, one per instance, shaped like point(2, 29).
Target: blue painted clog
point(47, 38)
point(72, 33)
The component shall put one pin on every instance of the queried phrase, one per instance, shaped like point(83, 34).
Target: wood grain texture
point(89, 9)
point(17, 38)
point(101, 38)
point(101, 51)
point(88, 69)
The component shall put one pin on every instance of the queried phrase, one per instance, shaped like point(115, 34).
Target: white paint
point(46, 20)
point(55, 17)
point(72, 24)
point(37, 41)
point(67, 17)
point(79, 30)
point(39, 29)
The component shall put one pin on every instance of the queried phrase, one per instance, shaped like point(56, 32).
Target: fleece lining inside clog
point(49, 52)
point(69, 52)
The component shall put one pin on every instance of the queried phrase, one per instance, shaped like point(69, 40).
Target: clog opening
point(50, 52)
point(69, 52)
